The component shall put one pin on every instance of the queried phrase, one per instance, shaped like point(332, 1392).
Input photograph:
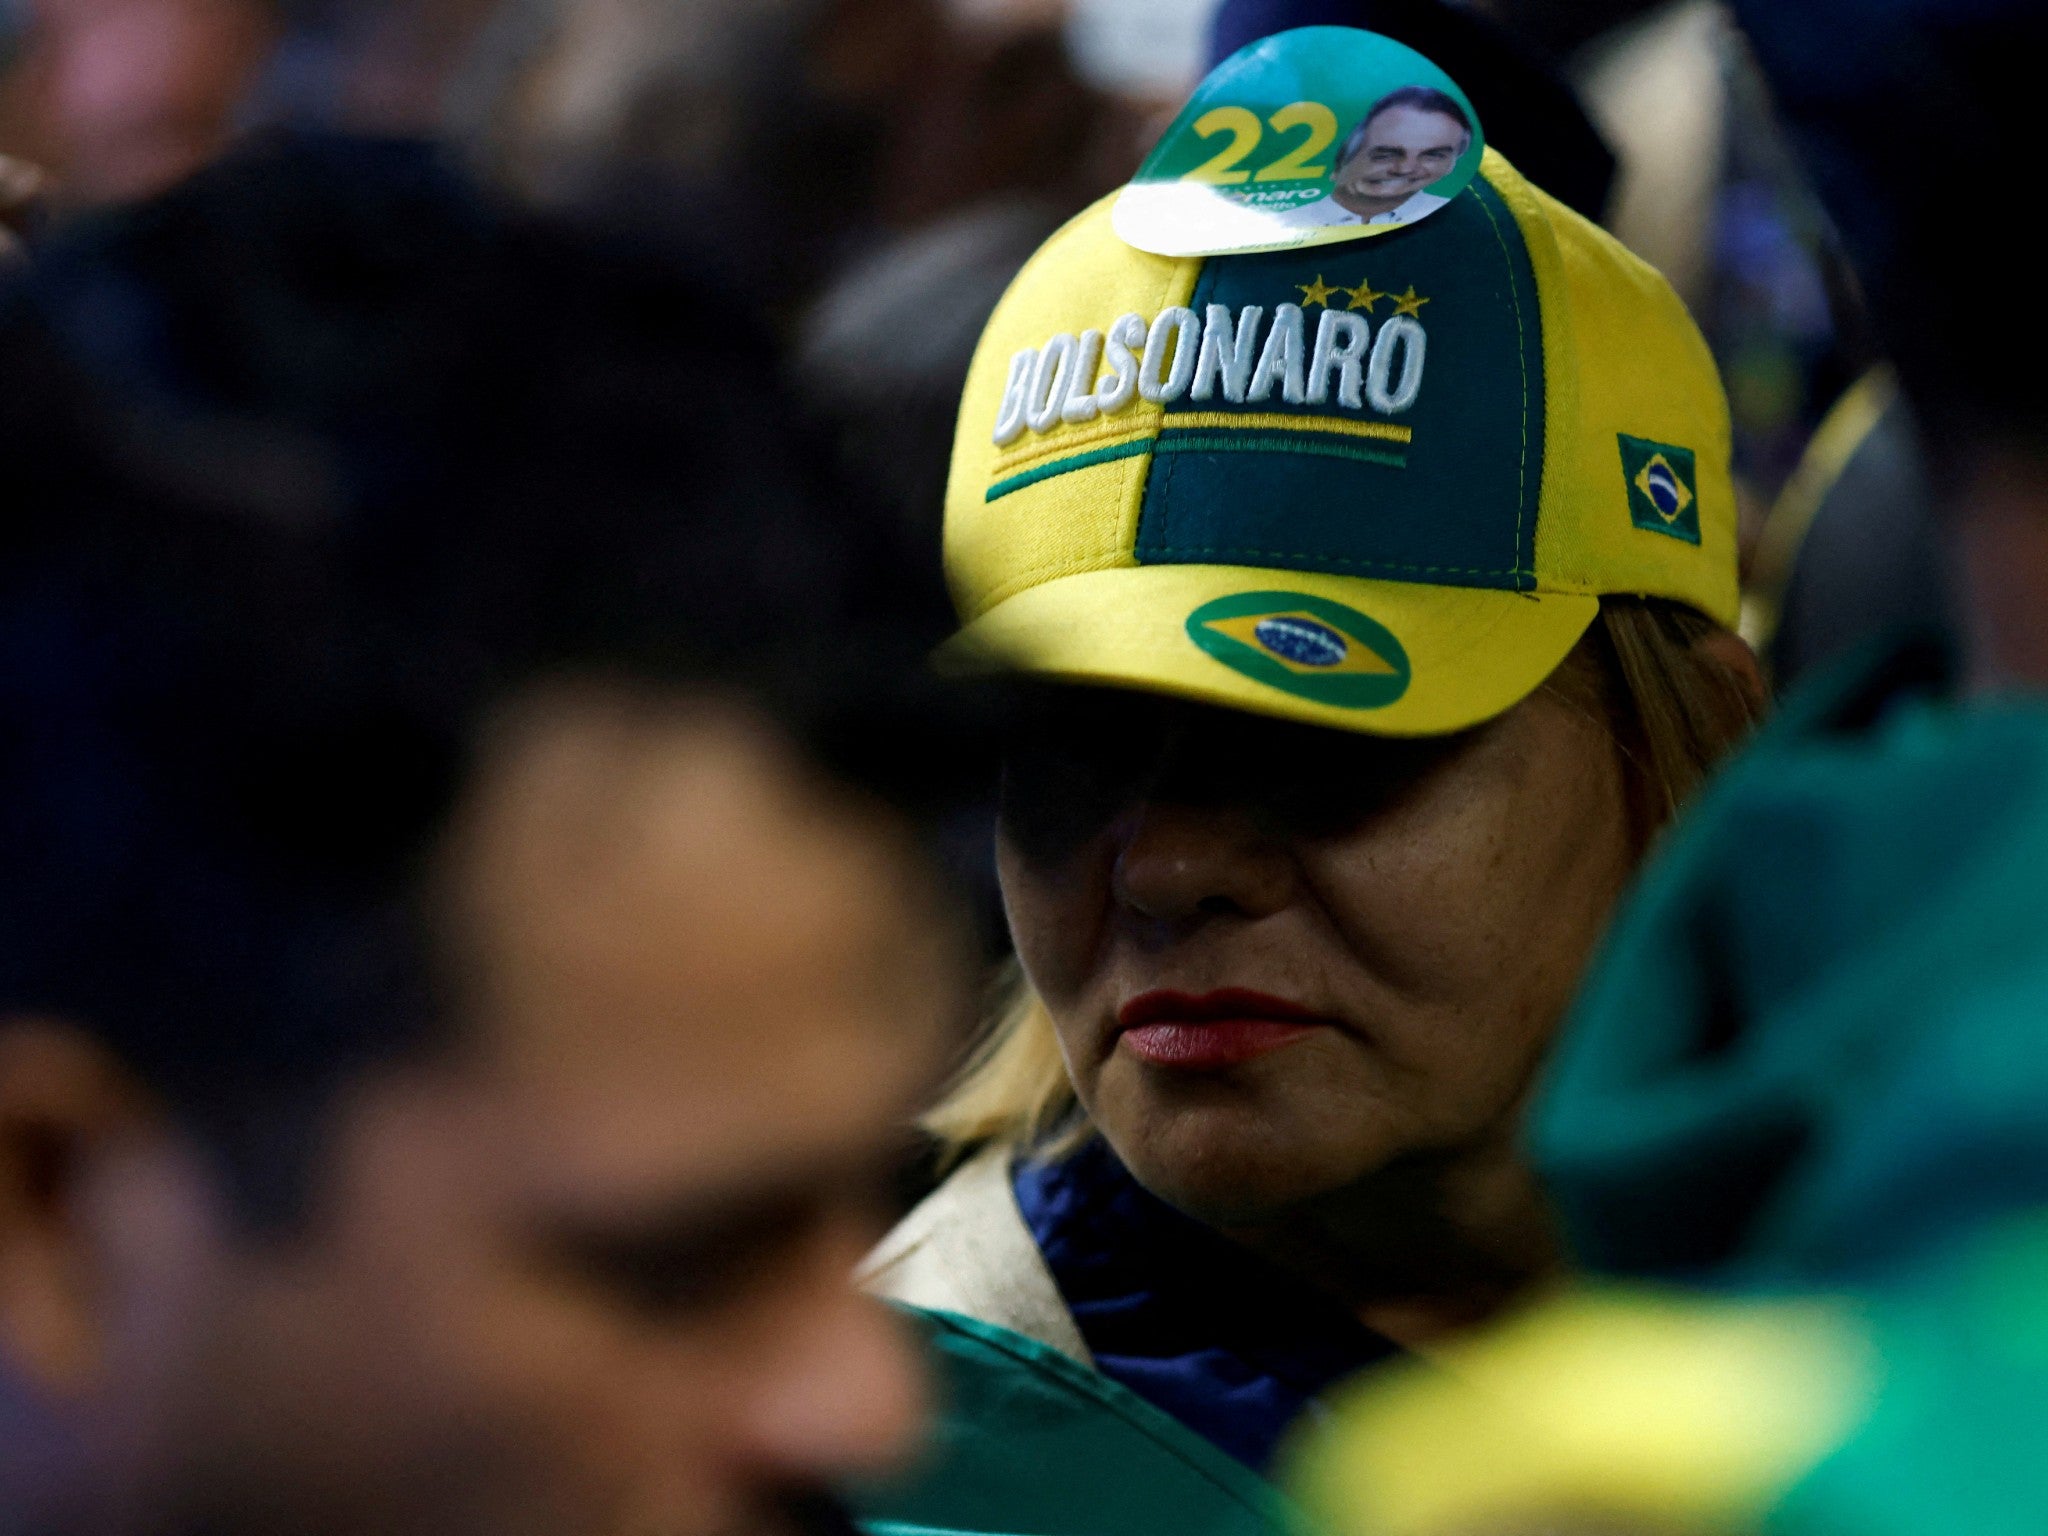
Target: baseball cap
point(1375, 478)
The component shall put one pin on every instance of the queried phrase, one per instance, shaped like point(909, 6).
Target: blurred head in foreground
point(117, 98)
point(464, 940)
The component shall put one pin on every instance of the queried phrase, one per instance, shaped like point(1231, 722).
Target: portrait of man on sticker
point(1409, 140)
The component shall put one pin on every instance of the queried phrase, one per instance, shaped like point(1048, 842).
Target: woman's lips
point(1211, 1030)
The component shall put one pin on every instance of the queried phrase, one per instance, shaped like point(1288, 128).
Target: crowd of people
point(768, 767)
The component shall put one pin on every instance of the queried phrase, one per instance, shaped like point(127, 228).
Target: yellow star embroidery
point(1316, 292)
point(1363, 297)
point(1407, 303)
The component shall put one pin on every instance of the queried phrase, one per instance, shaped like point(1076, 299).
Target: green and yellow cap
point(1379, 483)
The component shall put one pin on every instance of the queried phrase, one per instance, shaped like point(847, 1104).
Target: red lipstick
point(1209, 1031)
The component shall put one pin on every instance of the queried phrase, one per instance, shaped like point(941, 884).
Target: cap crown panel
point(1066, 519)
point(1639, 370)
point(1421, 461)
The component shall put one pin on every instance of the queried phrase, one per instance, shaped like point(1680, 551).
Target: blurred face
point(1281, 959)
point(127, 96)
point(1406, 149)
point(590, 1273)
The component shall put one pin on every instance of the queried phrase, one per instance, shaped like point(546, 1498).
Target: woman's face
point(1282, 958)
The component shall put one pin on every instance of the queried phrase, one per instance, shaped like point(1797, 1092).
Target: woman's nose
point(1177, 863)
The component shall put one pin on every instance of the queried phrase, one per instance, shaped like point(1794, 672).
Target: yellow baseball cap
point(1378, 485)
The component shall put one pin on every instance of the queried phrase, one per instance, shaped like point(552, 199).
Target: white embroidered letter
point(1179, 326)
point(1010, 419)
point(1047, 396)
point(1281, 362)
point(1081, 404)
point(1340, 344)
point(1227, 353)
point(1119, 387)
point(1396, 331)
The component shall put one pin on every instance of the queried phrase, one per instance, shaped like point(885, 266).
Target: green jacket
point(1816, 1045)
point(1031, 1443)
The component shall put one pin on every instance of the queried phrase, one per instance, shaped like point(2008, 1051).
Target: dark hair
point(1423, 98)
point(313, 462)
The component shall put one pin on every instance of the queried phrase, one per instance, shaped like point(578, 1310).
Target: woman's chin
point(1226, 1173)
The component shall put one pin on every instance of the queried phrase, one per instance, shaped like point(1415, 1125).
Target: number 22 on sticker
point(1245, 131)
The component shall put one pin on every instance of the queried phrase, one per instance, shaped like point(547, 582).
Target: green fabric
point(1814, 1058)
point(1030, 1443)
point(1952, 1446)
point(1461, 510)
point(1817, 1043)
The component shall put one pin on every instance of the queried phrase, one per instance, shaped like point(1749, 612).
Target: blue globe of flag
point(1303, 641)
point(1665, 491)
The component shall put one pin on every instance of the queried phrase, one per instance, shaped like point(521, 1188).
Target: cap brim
point(1470, 653)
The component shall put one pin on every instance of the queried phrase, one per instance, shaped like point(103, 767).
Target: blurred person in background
point(890, 152)
point(1849, 113)
point(1310, 819)
point(466, 948)
point(827, 128)
point(114, 99)
point(1796, 1124)
point(1851, 553)
point(1562, 27)
point(817, 120)
point(767, 123)
point(1844, 547)
point(900, 157)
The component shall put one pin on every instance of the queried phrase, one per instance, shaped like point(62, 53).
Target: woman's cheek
point(1056, 912)
point(1423, 906)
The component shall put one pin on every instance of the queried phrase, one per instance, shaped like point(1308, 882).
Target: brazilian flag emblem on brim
point(1307, 646)
point(1662, 493)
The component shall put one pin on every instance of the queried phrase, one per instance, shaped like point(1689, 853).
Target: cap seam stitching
point(1521, 362)
point(1282, 554)
point(1198, 296)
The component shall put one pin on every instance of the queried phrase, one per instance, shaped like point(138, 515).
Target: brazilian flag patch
point(1307, 646)
point(1663, 496)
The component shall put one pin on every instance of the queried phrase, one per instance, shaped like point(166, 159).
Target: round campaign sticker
point(1309, 137)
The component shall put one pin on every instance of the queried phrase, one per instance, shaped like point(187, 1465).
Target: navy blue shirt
point(1232, 1346)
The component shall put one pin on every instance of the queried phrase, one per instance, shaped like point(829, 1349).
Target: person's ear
point(64, 1103)
point(1732, 653)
